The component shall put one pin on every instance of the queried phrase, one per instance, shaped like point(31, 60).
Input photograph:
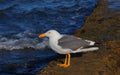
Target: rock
point(103, 26)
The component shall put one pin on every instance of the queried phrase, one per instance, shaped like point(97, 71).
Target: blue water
point(21, 21)
point(114, 5)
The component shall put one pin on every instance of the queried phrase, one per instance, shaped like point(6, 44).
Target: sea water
point(21, 22)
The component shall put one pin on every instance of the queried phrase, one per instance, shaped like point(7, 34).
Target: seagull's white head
point(50, 34)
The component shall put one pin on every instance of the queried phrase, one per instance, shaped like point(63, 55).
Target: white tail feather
point(91, 42)
point(86, 49)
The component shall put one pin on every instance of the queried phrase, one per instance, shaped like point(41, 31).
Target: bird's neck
point(55, 38)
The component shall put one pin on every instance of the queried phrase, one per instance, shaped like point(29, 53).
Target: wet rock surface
point(102, 26)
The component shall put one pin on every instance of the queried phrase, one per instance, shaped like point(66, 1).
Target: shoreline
point(103, 27)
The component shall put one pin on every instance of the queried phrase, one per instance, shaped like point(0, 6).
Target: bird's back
point(72, 42)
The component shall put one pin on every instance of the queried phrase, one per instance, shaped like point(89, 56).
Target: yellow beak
point(42, 35)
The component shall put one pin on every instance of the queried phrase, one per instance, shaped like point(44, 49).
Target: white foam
point(23, 40)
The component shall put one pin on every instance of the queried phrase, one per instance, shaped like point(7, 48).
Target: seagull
point(67, 44)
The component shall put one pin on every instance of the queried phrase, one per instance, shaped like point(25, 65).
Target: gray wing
point(72, 42)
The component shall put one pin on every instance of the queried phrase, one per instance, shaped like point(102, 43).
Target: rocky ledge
point(103, 26)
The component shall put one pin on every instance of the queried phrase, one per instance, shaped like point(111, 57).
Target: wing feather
point(72, 42)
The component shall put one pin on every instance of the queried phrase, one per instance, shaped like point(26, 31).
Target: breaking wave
point(27, 39)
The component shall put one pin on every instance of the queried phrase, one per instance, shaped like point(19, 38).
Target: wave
point(20, 18)
point(27, 39)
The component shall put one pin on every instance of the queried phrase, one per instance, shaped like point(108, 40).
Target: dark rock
point(102, 26)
